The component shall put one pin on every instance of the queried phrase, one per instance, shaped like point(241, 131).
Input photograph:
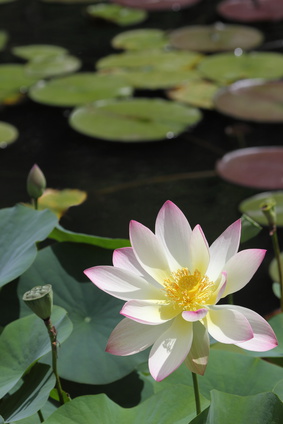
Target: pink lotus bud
point(36, 182)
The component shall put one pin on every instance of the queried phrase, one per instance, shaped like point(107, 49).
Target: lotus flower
point(172, 282)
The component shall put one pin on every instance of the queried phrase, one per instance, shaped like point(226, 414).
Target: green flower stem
point(35, 204)
point(196, 390)
point(41, 418)
point(53, 339)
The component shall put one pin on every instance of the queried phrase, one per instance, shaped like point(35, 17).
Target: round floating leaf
point(151, 60)
point(13, 79)
point(8, 134)
point(199, 93)
point(50, 66)
point(258, 167)
point(252, 206)
point(134, 120)
point(140, 39)
point(79, 89)
point(157, 4)
point(3, 39)
point(119, 15)
point(253, 100)
point(94, 313)
point(217, 37)
point(32, 51)
point(227, 67)
point(251, 11)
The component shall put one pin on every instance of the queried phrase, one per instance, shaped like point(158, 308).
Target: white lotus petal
point(198, 252)
point(197, 358)
point(194, 315)
point(150, 312)
point(170, 349)
point(130, 337)
point(174, 231)
point(241, 267)
point(227, 325)
point(223, 248)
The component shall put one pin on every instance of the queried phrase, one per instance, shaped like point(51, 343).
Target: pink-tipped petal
point(241, 267)
point(170, 349)
point(174, 231)
point(228, 325)
point(121, 283)
point(194, 315)
point(264, 337)
point(149, 312)
point(197, 358)
point(222, 286)
point(149, 251)
point(223, 248)
point(198, 251)
point(130, 337)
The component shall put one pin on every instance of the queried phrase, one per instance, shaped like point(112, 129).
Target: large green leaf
point(94, 313)
point(173, 405)
point(61, 234)
point(140, 39)
point(13, 78)
point(31, 396)
point(46, 411)
point(51, 66)
point(20, 229)
point(23, 342)
point(263, 408)
point(252, 206)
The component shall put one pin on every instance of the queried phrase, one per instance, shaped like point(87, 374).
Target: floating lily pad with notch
point(227, 68)
point(134, 120)
point(141, 39)
point(30, 52)
point(251, 11)
point(3, 39)
point(198, 93)
point(257, 167)
point(252, 207)
point(8, 134)
point(78, 89)
point(158, 4)
point(117, 14)
point(151, 59)
point(252, 100)
point(51, 66)
point(214, 38)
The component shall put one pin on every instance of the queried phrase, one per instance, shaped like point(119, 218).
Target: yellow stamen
point(188, 291)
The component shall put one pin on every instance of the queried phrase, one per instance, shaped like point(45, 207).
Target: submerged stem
point(196, 391)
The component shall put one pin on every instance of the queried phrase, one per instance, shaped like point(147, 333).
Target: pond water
point(126, 181)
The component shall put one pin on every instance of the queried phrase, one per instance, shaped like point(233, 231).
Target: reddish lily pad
point(256, 167)
point(252, 100)
point(157, 4)
point(117, 14)
point(217, 37)
point(140, 39)
point(252, 207)
point(249, 10)
point(198, 93)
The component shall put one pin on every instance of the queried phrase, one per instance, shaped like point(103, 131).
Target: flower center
point(188, 291)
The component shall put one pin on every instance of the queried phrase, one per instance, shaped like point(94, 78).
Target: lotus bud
point(36, 182)
point(40, 300)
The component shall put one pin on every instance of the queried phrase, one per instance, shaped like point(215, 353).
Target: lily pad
point(199, 93)
point(140, 39)
point(228, 67)
point(158, 4)
point(3, 39)
point(50, 66)
point(256, 167)
point(251, 11)
point(252, 100)
point(151, 60)
point(117, 14)
point(79, 89)
point(32, 51)
point(134, 120)
point(14, 80)
point(217, 37)
point(252, 206)
point(8, 134)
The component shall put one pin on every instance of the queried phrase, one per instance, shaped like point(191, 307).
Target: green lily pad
point(134, 120)
point(228, 67)
point(252, 206)
point(79, 89)
point(94, 313)
point(140, 39)
point(13, 80)
point(8, 134)
point(151, 60)
point(32, 51)
point(215, 38)
point(117, 14)
point(3, 39)
point(199, 93)
point(50, 66)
